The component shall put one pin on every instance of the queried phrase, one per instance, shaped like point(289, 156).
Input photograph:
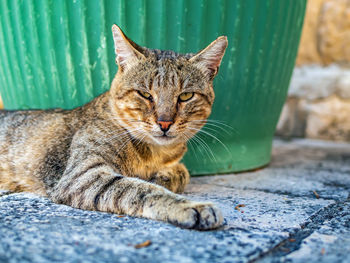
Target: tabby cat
point(120, 152)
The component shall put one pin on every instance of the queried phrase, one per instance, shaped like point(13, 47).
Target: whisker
point(120, 136)
point(212, 129)
point(212, 126)
point(212, 136)
point(216, 122)
point(188, 138)
point(205, 146)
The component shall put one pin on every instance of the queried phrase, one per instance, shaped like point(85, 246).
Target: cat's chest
point(146, 164)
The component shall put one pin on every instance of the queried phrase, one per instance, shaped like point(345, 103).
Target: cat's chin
point(164, 140)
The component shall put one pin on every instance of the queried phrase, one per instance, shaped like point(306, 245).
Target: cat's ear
point(209, 59)
point(126, 53)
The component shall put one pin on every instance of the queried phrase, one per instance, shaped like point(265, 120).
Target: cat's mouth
point(165, 137)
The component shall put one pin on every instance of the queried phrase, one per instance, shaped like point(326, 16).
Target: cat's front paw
point(200, 216)
point(173, 178)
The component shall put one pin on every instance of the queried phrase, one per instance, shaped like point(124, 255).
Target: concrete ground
point(295, 210)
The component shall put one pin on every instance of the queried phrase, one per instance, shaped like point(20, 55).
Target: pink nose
point(164, 125)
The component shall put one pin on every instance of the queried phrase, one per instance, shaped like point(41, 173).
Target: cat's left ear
point(126, 54)
point(209, 59)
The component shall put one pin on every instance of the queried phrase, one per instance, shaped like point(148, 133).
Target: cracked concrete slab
point(295, 210)
point(330, 242)
point(324, 238)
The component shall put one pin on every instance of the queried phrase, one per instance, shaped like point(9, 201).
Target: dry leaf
point(144, 244)
point(238, 206)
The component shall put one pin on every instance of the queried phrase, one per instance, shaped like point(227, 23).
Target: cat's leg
point(94, 185)
point(174, 178)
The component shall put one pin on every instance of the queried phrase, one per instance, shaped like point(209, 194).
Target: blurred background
point(318, 103)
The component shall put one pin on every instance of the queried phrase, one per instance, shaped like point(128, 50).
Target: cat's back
point(18, 127)
point(25, 137)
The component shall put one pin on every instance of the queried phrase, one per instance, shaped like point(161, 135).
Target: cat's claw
point(200, 216)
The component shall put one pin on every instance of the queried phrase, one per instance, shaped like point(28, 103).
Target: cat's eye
point(144, 94)
point(186, 96)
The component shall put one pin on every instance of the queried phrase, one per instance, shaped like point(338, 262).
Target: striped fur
point(110, 154)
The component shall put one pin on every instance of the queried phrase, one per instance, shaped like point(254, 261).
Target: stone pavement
point(295, 210)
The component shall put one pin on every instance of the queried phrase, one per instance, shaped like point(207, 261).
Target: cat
point(120, 152)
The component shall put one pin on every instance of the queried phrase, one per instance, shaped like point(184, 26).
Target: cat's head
point(162, 97)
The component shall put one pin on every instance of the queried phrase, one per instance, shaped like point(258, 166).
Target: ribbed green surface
point(60, 54)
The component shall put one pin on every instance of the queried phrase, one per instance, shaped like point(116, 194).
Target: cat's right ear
point(126, 54)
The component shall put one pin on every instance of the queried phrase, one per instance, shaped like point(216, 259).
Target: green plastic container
point(57, 53)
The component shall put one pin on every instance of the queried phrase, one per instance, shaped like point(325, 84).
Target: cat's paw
point(174, 178)
point(164, 179)
point(200, 216)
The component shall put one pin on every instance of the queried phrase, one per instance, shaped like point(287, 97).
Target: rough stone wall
point(326, 33)
point(318, 104)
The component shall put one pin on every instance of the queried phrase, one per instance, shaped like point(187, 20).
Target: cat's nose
point(164, 125)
